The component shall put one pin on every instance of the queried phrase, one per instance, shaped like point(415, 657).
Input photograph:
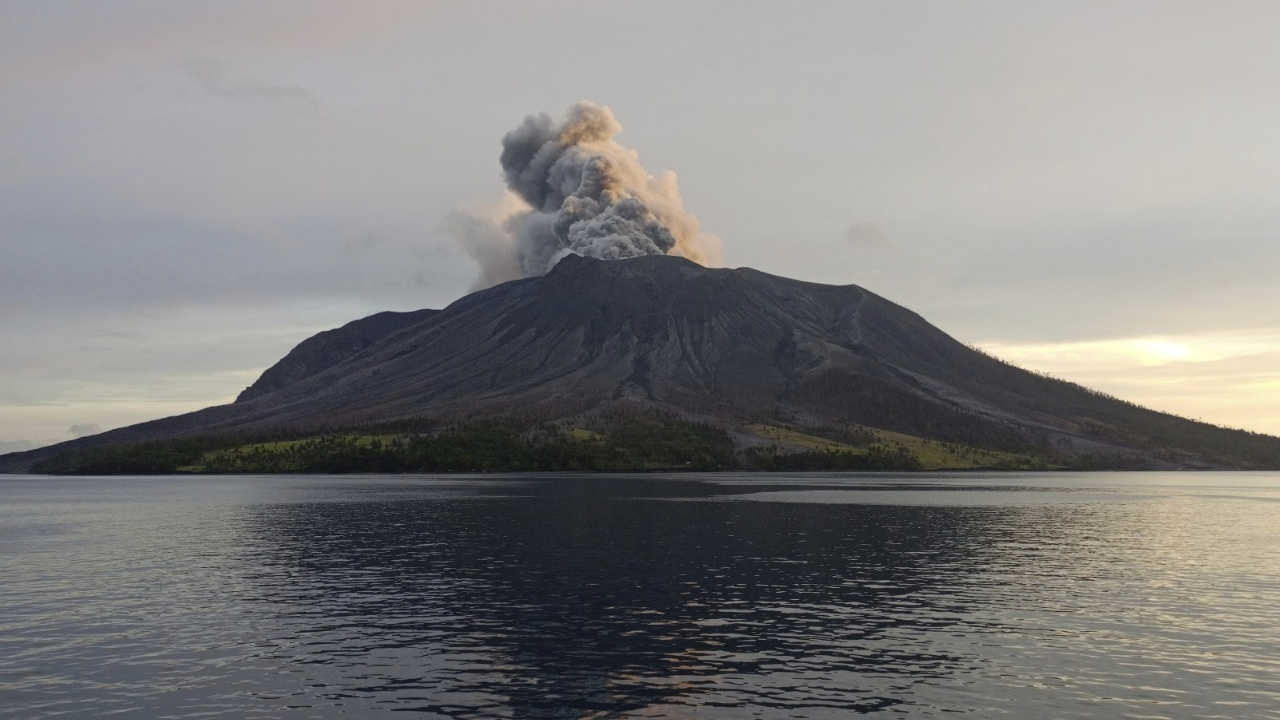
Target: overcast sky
point(187, 190)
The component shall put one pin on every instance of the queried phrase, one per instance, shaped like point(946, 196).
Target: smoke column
point(576, 190)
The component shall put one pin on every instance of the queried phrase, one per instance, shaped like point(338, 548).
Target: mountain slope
point(331, 347)
point(729, 346)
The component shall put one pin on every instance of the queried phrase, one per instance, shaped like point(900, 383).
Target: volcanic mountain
point(736, 348)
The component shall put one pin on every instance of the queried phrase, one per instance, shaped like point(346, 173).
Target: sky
point(188, 190)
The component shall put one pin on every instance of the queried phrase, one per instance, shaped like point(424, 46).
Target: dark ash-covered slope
point(732, 346)
point(660, 329)
point(331, 347)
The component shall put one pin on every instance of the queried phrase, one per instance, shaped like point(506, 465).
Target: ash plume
point(574, 189)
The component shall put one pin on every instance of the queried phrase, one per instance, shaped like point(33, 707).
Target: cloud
point(364, 243)
point(82, 429)
point(215, 79)
point(77, 249)
point(10, 446)
point(868, 236)
point(39, 41)
point(1225, 378)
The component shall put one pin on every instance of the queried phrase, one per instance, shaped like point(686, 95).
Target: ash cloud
point(574, 189)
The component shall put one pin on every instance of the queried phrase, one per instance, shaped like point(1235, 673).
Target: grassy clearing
point(585, 435)
point(938, 455)
point(788, 436)
point(282, 446)
point(932, 454)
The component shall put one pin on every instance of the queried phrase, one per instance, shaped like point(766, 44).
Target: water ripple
point(1144, 596)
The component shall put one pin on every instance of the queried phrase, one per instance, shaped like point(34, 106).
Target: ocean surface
point(1097, 595)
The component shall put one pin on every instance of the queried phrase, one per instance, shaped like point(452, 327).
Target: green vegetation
point(605, 441)
point(142, 459)
point(616, 443)
point(878, 450)
point(811, 441)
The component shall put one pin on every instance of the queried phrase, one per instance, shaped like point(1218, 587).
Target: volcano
point(735, 348)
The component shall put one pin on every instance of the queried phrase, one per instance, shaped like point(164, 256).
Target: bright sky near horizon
point(1086, 188)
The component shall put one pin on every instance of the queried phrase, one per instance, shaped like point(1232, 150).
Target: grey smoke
point(83, 429)
point(487, 241)
point(215, 80)
point(578, 191)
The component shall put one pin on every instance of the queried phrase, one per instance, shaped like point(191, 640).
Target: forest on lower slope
point(609, 442)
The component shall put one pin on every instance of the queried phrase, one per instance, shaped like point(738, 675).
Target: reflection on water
point(610, 597)
point(586, 595)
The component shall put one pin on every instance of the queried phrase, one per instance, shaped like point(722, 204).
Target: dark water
point(1096, 595)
